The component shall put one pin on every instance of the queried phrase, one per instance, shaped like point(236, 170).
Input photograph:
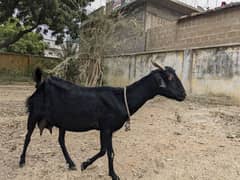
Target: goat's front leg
point(30, 127)
point(61, 140)
point(110, 154)
point(106, 144)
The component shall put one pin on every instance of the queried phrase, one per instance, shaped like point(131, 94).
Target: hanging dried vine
point(100, 35)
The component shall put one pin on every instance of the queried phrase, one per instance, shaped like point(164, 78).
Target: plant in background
point(31, 43)
point(100, 35)
point(60, 16)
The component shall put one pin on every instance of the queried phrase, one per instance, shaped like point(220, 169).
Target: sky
point(202, 3)
point(207, 3)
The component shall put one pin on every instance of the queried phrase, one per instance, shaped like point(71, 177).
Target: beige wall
point(123, 70)
point(202, 71)
point(216, 28)
point(23, 64)
point(217, 71)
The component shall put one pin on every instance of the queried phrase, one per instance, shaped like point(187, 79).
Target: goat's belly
point(77, 124)
point(75, 121)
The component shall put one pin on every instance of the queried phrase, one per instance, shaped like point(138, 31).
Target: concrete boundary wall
point(203, 71)
point(24, 64)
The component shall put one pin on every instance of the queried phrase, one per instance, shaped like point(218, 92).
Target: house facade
point(149, 14)
point(53, 50)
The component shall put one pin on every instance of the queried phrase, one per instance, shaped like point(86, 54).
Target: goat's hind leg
point(104, 142)
point(61, 140)
point(30, 127)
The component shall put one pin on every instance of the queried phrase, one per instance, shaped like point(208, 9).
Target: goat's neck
point(140, 92)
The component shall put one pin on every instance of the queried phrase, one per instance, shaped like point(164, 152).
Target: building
point(53, 50)
point(149, 14)
point(215, 27)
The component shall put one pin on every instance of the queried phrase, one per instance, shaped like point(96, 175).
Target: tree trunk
point(94, 73)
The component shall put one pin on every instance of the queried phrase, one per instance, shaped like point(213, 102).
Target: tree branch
point(6, 43)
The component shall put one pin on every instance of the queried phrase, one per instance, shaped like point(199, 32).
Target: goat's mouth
point(181, 98)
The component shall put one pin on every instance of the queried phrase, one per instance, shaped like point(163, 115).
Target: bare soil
point(198, 139)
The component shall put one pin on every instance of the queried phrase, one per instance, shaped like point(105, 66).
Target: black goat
point(73, 108)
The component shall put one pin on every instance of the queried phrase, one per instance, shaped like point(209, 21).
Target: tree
point(30, 43)
point(60, 16)
point(100, 35)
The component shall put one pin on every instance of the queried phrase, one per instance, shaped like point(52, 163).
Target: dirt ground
point(198, 139)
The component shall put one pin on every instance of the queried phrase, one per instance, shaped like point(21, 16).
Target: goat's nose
point(184, 94)
point(181, 99)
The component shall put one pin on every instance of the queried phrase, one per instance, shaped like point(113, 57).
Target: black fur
point(37, 76)
point(69, 107)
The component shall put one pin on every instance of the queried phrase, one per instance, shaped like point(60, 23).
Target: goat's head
point(168, 83)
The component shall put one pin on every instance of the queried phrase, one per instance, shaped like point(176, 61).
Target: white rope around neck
point(127, 124)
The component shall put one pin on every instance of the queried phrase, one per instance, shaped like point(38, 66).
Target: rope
point(127, 124)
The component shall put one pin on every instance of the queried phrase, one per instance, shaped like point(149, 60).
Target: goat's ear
point(156, 65)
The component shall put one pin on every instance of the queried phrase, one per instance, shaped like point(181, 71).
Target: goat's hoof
point(115, 177)
point(84, 165)
point(72, 167)
point(21, 163)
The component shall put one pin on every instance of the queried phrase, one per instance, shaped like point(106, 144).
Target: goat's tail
point(37, 76)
